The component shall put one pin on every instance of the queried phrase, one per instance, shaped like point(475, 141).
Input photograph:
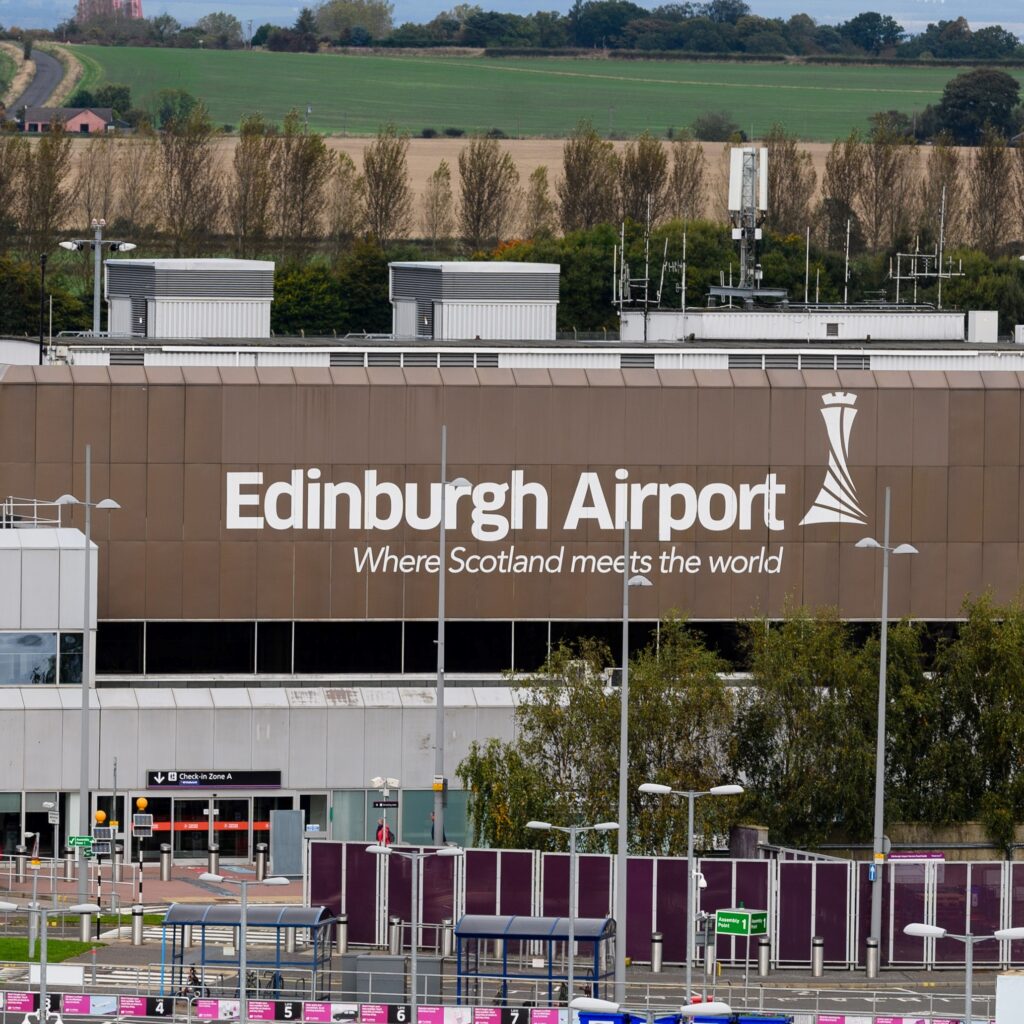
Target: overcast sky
point(913, 14)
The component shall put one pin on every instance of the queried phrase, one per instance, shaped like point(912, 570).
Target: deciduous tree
point(489, 193)
point(387, 196)
point(13, 159)
point(886, 194)
point(990, 198)
point(345, 204)
point(538, 207)
point(48, 196)
point(587, 191)
point(688, 188)
point(302, 167)
point(643, 180)
point(791, 182)
point(438, 213)
point(251, 191)
point(944, 172)
point(842, 182)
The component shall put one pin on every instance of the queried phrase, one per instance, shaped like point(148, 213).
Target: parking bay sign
point(737, 921)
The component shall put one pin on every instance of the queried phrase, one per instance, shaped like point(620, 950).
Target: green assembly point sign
point(741, 922)
point(85, 841)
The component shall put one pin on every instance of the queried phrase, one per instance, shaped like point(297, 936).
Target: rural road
point(49, 72)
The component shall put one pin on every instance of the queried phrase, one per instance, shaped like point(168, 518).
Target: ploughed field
point(523, 97)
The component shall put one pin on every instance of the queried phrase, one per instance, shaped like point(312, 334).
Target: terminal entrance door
point(231, 824)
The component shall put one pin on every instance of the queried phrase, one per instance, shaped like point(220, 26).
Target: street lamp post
point(572, 831)
point(96, 243)
point(439, 783)
point(243, 922)
point(42, 916)
point(622, 850)
point(49, 806)
point(415, 856)
point(691, 797)
point(931, 931)
point(879, 823)
point(83, 781)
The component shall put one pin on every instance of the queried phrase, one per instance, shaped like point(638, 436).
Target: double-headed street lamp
point(96, 243)
point(458, 483)
point(691, 872)
point(42, 915)
point(416, 856)
point(931, 931)
point(622, 851)
point(83, 780)
point(572, 831)
point(243, 924)
point(879, 825)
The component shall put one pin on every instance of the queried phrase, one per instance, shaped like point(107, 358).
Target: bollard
point(657, 951)
point(85, 928)
point(20, 859)
point(395, 936)
point(186, 936)
point(261, 861)
point(341, 934)
point(817, 956)
point(710, 951)
point(290, 936)
point(116, 859)
point(447, 934)
point(165, 862)
point(213, 859)
point(137, 913)
point(764, 956)
point(871, 958)
point(69, 864)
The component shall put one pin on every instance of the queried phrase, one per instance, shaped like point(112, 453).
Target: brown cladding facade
point(948, 444)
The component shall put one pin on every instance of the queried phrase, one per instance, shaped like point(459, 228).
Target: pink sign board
point(373, 1013)
point(486, 1015)
point(22, 1002)
point(72, 1003)
point(316, 1012)
point(207, 1009)
point(260, 1009)
point(843, 1018)
point(132, 1006)
point(430, 1015)
point(544, 1015)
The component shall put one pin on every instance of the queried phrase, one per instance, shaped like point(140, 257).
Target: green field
point(523, 97)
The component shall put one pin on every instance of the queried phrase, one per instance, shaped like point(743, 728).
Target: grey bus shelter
point(515, 934)
point(258, 917)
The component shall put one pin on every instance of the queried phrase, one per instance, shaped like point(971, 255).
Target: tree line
point(285, 194)
point(798, 731)
point(713, 26)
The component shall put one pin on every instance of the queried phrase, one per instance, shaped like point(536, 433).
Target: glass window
point(70, 659)
point(119, 647)
point(531, 645)
point(28, 659)
point(10, 821)
point(273, 647)
point(346, 647)
point(315, 807)
point(474, 646)
point(348, 814)
point(418, 811)
point(201, 647)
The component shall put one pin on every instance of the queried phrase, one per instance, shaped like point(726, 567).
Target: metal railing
point(28, 512)
point(16, 879)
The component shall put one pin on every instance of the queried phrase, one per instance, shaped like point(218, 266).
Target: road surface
point(49, 72)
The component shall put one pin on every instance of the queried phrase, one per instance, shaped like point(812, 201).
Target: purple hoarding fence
point(804, 898)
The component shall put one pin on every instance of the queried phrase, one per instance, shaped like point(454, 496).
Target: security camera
point(702, 882)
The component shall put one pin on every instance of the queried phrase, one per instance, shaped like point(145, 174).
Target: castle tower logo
point(837, 500)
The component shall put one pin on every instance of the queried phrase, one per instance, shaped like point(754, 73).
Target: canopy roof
point(514, 926)
point(258, 915)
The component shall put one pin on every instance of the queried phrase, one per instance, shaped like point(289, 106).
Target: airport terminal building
point(267, 592)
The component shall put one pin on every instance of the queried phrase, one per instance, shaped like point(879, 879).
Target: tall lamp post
point(50, 807)
point(439, 780)
point(691, 797)
point(83, 781)
point(96, 243)
point(622, 851)
point(243, 933)
point(572, 831)
point(931, 931)
point(416, 856)
point(42, 915)
point(879, 825)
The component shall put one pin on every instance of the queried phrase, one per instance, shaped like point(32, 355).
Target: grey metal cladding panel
point(130, 280)
point(216, 284)
point(498, 286)
point(423, 283)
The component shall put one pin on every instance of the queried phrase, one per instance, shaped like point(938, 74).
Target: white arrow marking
point(159, 778)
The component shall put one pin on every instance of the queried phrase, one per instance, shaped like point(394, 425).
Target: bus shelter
point(211, 919)
point(515, 943)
